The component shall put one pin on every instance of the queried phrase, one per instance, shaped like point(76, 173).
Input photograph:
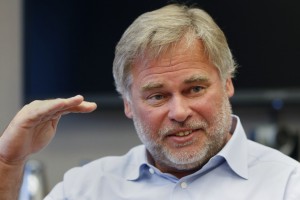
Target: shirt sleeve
point(293, 186)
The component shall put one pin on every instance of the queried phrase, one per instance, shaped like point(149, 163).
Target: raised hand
point(35, 125)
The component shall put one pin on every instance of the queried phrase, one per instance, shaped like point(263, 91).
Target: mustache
point(175, 127)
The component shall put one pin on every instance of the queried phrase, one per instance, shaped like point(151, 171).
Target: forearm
point(11, 176)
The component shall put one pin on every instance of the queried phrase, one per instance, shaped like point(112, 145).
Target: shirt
point(243, 169)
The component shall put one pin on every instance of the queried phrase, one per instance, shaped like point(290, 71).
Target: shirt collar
point(138, 163)
point(235, 152)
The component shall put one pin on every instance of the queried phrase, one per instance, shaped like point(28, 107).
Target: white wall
point(10, 60)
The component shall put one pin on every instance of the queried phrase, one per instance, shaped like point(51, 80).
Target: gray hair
point(154, 32)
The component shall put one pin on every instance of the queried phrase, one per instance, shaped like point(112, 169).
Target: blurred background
point(58, 48)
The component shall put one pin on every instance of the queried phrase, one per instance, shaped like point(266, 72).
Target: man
point(173, 69)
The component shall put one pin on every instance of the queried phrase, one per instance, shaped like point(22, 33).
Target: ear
point(127, 108)
point(229, 87)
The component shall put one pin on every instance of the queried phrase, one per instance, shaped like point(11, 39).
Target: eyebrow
point(196, 78)
point(151, 85)
point(193, 79)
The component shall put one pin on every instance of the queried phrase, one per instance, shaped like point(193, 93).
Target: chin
point(186, 161)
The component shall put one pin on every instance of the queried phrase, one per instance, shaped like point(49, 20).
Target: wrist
point(11, 176)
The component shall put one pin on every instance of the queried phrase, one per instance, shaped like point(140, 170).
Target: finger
point(38, 111)
point(49, 107)
point(64, 103)
point(74, 104)
point(84, 107)
point(66, 106)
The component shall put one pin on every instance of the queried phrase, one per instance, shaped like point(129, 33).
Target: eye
point(156, 99)
point(196, 89)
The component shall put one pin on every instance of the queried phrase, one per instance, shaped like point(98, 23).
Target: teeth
point(183, 133)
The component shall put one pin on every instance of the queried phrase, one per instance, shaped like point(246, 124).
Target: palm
point(43, 133)
point(35, 126)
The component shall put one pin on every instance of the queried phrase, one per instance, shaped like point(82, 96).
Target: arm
point(31, 129)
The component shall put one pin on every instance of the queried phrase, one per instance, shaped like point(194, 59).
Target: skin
point(181, 92)
point(31, 130)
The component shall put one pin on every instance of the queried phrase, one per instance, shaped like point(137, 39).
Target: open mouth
point(183, 133)
point(182, 138)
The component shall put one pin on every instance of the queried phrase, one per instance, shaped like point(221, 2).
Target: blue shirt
point(243, 169)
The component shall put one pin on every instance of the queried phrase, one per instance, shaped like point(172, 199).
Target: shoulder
point(273, 160)
point(272, 168)
point(98, 178)
point(105, 171)
point(109, 164)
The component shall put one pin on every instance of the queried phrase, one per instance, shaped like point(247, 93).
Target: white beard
point(183, 160)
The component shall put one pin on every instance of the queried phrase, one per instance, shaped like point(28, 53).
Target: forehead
point(177, 60)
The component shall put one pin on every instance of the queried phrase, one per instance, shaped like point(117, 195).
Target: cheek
point(208, 107)
point(153, 118)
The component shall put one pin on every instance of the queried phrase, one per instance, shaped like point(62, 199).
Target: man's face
point(180, 108)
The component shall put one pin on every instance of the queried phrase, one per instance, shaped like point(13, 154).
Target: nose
point(179, 109)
